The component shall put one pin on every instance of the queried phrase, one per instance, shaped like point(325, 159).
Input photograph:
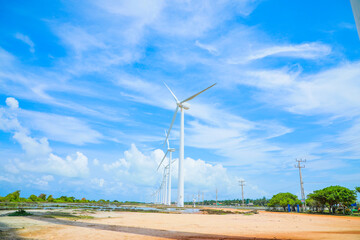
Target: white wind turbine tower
point(183, 106)
point(168, 167)
point(163, 188)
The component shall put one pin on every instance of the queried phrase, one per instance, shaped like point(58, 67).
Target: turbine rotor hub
point(184, 105)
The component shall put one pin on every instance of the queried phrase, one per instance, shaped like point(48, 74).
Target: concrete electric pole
point(216, 196)
point(299, 166)
point(242, 184)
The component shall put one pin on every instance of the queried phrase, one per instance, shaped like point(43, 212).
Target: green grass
point(138, 210)
point(20, 212)
point(65, 215)
point(216, 211)
point(223, 212)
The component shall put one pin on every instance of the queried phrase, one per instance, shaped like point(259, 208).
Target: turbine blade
point(172, 122)
point(171, 93)
point(162, 160)
point(167, 140)
point(188, 99)
point(356, 11)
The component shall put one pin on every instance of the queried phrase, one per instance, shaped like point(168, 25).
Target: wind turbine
point(170, 151)
point(183, 106)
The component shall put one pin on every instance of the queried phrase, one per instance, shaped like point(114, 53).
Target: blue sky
point(83, 107)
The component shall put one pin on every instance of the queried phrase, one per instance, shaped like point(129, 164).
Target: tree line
point(257, 202)
point(334, 199)
point(15, 197)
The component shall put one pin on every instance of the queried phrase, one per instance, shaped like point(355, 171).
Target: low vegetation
point(20, 212)
point(235, 202)
point(65, 215)
point(223, 212)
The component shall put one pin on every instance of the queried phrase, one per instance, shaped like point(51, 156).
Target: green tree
point(333, 197)
point(42, 196)
point(50, 198)
point(314, 204)
point(283, 199)
point(357, 189)
point(66, 199)
point(13, 197)
point(33, 198)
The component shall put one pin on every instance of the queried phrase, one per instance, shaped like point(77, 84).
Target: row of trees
point(15, 197)
point(333, 198)
point(257, 202)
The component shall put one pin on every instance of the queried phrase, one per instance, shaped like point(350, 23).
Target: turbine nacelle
point(184, 105)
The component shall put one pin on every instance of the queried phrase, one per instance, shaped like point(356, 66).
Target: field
point(92, 224)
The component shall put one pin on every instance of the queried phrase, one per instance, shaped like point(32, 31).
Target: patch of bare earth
point(125, 225)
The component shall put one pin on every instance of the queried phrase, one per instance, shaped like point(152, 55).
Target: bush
point(20, 212)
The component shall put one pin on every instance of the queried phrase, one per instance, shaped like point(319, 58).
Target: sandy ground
point(125, 225)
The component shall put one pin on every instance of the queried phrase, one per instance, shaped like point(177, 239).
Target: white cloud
point(26, 40)
point(140, 173)
point(11, 168)
point(333, 91)
point(8, 121)
point(205, 176)
point(141, 10)
point(12, 103)
point(48, 178)
point(209, 48)
point(78, 39)
point(38, 153)
point(71, 166)
point(96, 162)
point(306, 51)
point(98, 182)
point(40, 182)
point(60, 128)
point(5, 179)
point(55, 127)
point(31, 146)
point(121, 163)
point(6, 58)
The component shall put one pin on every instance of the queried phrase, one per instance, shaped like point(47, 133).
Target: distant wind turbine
point(183, 106)
point(168, 167)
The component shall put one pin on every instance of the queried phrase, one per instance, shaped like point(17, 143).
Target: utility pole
point(216, 196)
point(242, 184)
point(203, 198)
point(299, 166)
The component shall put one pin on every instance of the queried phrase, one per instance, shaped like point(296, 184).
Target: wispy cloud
point(26, 40)
point(305, 51)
